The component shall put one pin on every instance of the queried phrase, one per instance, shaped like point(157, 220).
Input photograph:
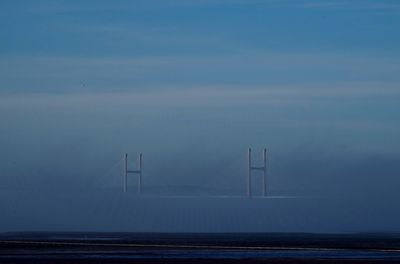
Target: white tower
point(138, 171)
point(262, 168)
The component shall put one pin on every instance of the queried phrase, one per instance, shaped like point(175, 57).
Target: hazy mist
point(192, 85)
point(61, 163)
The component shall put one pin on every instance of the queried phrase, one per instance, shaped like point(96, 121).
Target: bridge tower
point(138, 171)
point(251, 168)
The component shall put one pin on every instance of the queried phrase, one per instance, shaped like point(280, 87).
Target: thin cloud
point(354, 5)
point(60, 74)
point(194, 96)
point(44, 7)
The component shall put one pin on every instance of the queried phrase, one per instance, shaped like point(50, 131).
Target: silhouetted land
point(198, 248)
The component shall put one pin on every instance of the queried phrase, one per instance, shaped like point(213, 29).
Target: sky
point(192, 84)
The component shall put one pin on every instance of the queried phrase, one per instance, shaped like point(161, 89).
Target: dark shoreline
point(362, 241)
point(195, 261)
point(59, 247)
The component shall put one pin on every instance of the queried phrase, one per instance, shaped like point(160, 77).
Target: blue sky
point(196, 83)
point(330, 64)
point(55, 46)
point(329, 68)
